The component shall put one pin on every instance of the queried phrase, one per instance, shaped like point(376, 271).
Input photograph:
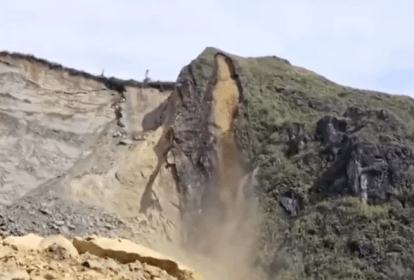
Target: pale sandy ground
point(55, 257)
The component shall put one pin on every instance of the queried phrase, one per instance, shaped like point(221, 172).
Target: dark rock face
point(350, 157)
point(191, 131)
point(290, 204)
point(297, 139)
point(194, 148)
point(205, 136)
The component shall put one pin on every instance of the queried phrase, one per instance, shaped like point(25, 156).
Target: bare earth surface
point(55, 257)
point(67, 168)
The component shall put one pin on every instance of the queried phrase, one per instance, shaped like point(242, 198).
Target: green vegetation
point(335, 238)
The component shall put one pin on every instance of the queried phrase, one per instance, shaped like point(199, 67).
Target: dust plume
point(226, 229)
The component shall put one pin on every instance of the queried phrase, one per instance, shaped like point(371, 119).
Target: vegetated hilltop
point(308, 136)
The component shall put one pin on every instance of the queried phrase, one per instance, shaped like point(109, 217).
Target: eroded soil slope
point(90, 155)
point(77, 129)
point(46, 126)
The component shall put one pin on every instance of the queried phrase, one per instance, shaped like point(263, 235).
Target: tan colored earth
point(55, 257)
point(82, 197)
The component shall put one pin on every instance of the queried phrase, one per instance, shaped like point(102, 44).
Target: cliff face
point(330, 167)
point(49, 119)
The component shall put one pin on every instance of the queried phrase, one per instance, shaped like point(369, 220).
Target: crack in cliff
point(218, 214)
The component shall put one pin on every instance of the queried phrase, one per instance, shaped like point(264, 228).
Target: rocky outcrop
point(206, 150)
point(352, 158)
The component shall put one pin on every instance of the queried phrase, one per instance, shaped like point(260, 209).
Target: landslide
point(76, 159)
point(306, 135)
point(177, 163)
point(122, 174)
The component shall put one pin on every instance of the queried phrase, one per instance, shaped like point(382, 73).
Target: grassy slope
point(325, 236)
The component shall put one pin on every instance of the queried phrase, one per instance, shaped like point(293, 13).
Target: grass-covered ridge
point(335, 237)
point(280, 94)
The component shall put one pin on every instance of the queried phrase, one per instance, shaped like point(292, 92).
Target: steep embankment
point(79, 160)
point(68, 135)
point(312, 140)
point(51, 117)
point(48, 121)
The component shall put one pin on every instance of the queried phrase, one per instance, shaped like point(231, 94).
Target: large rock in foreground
point(55, 257)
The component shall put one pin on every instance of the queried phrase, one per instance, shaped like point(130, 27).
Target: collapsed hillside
point(184, 163)
point(78, 160)
point(121, 177)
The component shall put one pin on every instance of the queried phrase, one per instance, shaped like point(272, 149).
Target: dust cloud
point(226, 230)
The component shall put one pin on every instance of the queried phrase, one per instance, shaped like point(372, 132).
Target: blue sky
point(363, 44)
